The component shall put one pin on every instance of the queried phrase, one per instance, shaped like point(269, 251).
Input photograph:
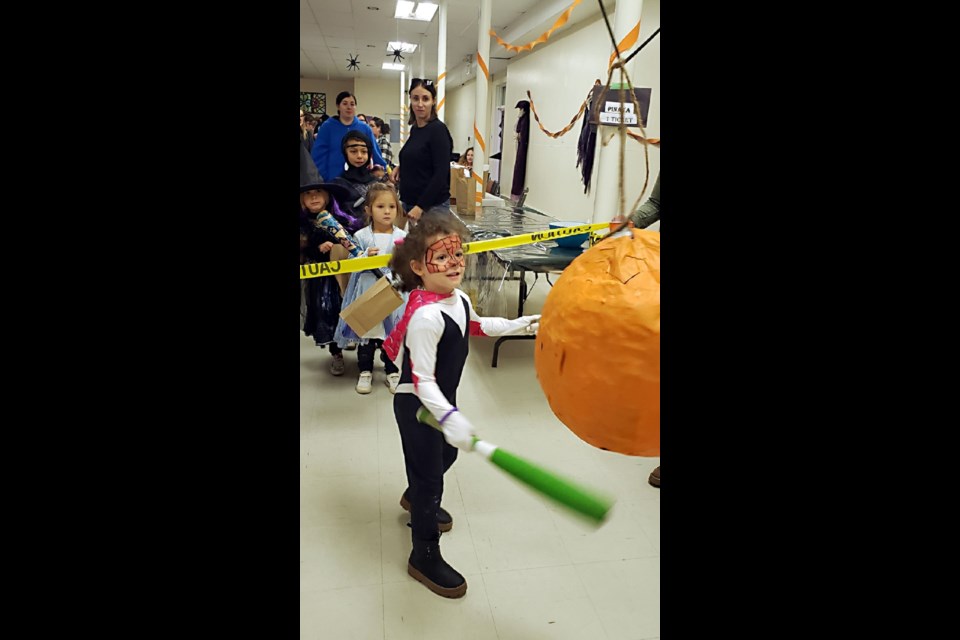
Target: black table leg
point(523, 292)
point(520, 303)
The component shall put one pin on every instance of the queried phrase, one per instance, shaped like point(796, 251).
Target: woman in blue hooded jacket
point(327, 152)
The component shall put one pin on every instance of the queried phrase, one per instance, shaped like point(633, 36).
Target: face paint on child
point(445, 254)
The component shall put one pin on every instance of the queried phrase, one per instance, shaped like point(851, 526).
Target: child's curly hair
point(414, 246)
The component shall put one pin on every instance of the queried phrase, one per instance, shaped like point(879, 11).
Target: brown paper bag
point(466, 204)
point(454, 171)
point(371, 307)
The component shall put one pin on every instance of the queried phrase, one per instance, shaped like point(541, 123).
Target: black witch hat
point(311, 179)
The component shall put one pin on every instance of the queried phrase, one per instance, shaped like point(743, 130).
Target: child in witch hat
point(323, 226)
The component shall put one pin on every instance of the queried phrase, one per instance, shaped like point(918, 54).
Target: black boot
point(428, 566)
point(444, 519)
point(654, 478)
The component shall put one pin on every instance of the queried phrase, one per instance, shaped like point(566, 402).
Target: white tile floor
point(534, 572)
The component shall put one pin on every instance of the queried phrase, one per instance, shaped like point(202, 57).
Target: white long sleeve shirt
point(423, 335)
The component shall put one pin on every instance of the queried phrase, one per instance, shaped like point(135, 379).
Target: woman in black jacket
point(423, 174)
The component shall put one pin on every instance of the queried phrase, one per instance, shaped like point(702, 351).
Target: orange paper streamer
point(636, 136)
point(567, 128)
point(628, 41)
point(562, 20)
point(482, 65)
point(476, 132)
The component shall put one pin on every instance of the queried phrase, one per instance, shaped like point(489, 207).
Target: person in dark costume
point(523, 138)
point(358, 177)
point(322, 226)
point(587, 143)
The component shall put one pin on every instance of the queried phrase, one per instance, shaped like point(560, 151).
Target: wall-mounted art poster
point(315, 103)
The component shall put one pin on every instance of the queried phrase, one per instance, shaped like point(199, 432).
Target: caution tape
point(320, 269)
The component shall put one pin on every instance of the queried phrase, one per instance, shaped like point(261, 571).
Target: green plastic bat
point(591, 504)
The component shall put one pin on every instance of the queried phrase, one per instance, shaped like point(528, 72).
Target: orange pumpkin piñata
point(598, 348)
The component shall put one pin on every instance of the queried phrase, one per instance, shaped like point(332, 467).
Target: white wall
point(458, 115)
point(460, 109)
point(378, 97)
point(559, 75)
point(374, 97)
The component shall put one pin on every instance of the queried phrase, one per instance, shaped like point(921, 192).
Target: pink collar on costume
point(418, 298)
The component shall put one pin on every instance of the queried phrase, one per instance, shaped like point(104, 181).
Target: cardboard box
point(371, 307)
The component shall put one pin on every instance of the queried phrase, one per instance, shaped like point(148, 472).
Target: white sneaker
point(393, 379)
point(337, 367)
point(363, 384)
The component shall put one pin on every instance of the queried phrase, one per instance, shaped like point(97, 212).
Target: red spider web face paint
point(445, 254)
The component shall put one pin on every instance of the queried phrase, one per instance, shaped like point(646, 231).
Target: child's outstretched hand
point(533, 323)
point(458, 431)
point(372, 251)
point(325, 247)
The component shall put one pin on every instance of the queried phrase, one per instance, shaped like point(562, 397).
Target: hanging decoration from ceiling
point(562, 20)
point(397, 55)
point(354, 62)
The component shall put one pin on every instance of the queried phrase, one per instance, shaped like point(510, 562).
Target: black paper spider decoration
point(397, 55)
point(354, 62)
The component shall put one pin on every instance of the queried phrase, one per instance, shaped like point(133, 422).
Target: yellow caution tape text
point(320, 269)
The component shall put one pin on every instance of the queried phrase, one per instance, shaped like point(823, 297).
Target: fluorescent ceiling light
point(405, 47)
point(392, 66)
point(425, 11)
point(422, 11)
